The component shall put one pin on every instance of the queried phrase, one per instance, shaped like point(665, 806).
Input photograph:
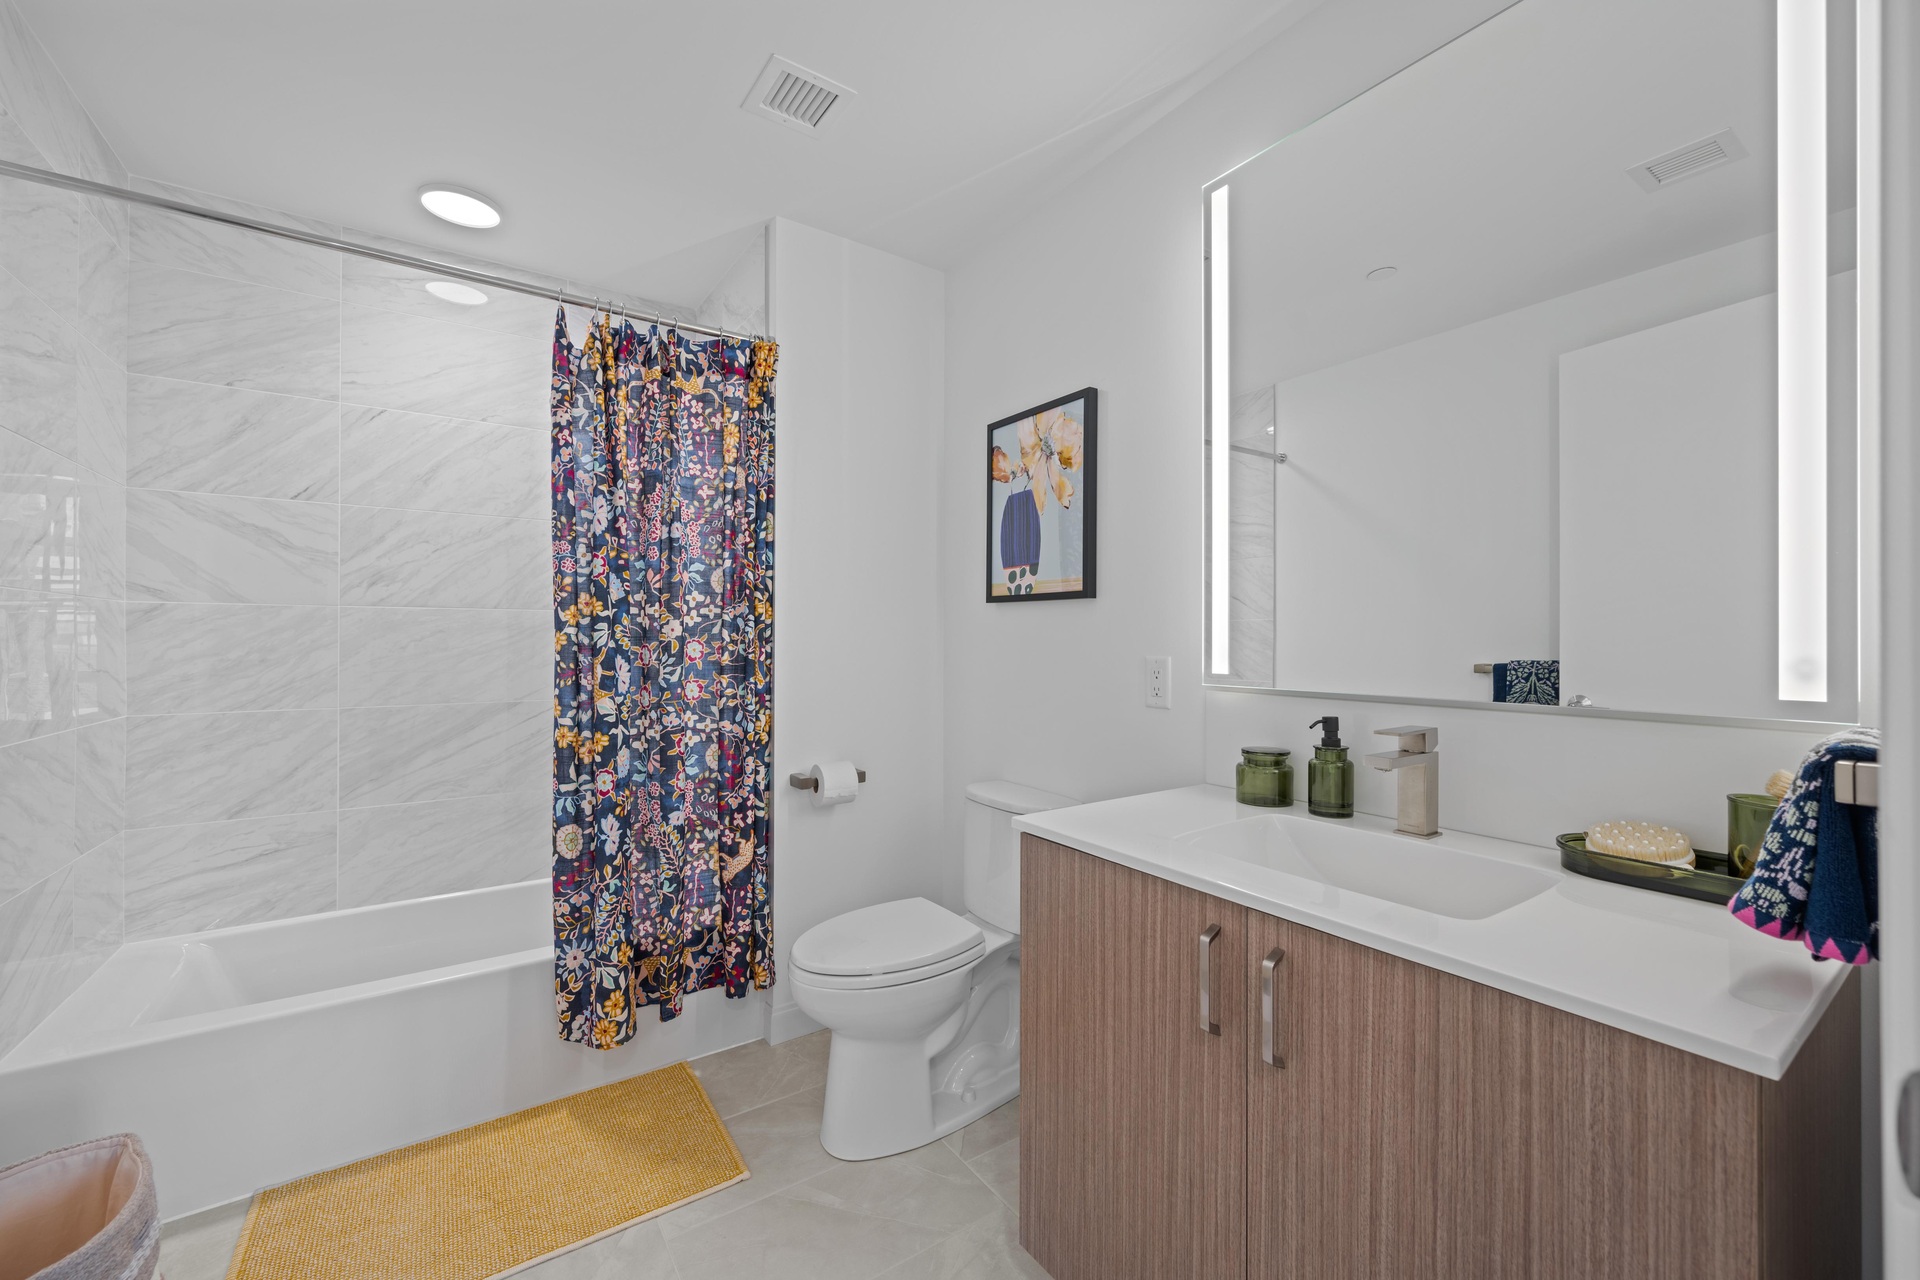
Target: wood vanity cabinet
point(1421, 1126)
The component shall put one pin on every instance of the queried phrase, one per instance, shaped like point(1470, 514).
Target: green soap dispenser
point(1329, 773)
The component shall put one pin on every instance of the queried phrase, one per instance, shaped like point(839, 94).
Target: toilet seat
point(886, 945)
point(900, 978)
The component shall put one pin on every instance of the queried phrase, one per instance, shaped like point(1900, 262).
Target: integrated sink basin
point(1414, 873)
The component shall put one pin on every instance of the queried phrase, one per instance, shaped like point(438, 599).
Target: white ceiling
point(610, 132)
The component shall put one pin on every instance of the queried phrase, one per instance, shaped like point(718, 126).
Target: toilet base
point(888, 1096)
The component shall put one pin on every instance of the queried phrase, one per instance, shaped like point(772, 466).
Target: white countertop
point(1681, 972)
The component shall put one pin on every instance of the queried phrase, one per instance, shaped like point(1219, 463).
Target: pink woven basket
point(86, 1212)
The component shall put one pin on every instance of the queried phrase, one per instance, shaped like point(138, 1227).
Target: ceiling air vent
point(796, 97)
point(1689, 161)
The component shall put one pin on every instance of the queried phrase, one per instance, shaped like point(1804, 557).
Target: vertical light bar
point(1801, 97)
point(1868, 132)
point(1219, 433)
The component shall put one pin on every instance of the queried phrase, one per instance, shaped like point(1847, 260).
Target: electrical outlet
point(1160, 682)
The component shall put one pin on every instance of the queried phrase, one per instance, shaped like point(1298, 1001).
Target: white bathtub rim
point(370, 909)
point(264, 1011)
point(28, 1055)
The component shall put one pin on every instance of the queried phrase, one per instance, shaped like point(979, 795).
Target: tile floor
point(944, 1212)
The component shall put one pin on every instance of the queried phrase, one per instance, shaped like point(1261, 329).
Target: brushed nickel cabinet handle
point(1269, 1050)
point(1208, 1023)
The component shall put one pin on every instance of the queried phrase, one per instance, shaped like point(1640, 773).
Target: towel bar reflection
point(1857, 782)
point(804, 782)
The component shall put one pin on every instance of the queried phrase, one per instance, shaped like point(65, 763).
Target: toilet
point(923, 1004)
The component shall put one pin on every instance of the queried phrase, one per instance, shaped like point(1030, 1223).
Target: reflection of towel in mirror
point(1816, 877)
point(1527, 680)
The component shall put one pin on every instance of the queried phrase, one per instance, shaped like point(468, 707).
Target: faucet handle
point(1416, 738)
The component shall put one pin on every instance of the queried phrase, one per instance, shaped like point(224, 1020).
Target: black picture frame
point(1085, 505)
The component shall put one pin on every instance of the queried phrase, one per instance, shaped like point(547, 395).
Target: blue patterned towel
point(1817, 874)
point(1527, 680)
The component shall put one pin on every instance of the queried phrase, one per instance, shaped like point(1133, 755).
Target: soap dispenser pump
point(1329, 773)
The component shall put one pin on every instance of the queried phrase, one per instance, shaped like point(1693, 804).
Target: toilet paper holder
point(805, 782)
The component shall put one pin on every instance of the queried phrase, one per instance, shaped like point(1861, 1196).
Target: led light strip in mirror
point(1801, 116)
point(1220, 433)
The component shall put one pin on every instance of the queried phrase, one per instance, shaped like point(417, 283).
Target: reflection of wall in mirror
point(1250, 482)
point(1416, 517)
point(1667, 516)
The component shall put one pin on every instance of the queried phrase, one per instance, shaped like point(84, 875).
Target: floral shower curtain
point(663, 672)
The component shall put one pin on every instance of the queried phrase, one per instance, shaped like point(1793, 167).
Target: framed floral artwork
point(1040, 501)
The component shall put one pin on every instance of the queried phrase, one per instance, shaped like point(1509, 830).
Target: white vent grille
point(1689, 161)
point(800, 99)
point(794, 96)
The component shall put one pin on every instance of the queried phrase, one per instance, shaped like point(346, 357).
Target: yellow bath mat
point(493, 1199)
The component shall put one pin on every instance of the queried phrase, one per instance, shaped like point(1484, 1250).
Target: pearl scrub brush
point(1641, 841)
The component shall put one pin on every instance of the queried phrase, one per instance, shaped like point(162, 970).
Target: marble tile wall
point(338, 647)
point(63, 416)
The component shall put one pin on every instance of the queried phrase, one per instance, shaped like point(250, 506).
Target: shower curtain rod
point(445, 270)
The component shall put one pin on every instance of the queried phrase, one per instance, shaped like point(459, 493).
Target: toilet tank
point(992, 856)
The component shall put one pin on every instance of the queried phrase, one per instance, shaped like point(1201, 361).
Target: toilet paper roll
point(838, 782)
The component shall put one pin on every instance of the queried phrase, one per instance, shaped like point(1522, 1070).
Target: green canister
point(1747, 819)
point(1329, 773)
point(1264, 777)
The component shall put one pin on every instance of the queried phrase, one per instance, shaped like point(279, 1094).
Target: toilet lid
point(893, 936)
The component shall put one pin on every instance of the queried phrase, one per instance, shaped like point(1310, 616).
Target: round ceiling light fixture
point(450, 291)
point(1383, 273)
point(459, 206)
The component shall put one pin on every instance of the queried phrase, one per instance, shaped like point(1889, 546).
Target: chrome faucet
point(1418, 760)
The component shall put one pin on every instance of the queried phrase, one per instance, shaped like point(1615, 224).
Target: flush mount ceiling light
point(458, 205)
point(449, 291)
point(1383, 273)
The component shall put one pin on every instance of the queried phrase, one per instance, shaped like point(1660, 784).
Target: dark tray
point(1706, 881)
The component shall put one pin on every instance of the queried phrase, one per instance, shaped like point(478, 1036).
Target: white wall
point(1524, 774)
point(1101, 286)
point(857, 641)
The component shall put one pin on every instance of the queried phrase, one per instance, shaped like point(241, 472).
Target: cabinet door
point(1385, 1145)
point(1132, 1117)
point(1426, 1127)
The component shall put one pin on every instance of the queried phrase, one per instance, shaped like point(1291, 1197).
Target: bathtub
point(247, 1056)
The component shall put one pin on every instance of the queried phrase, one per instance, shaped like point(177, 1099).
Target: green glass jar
point(1747, 819)
point(1264, 777)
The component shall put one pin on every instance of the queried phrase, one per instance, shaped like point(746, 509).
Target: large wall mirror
point(1531, 375)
